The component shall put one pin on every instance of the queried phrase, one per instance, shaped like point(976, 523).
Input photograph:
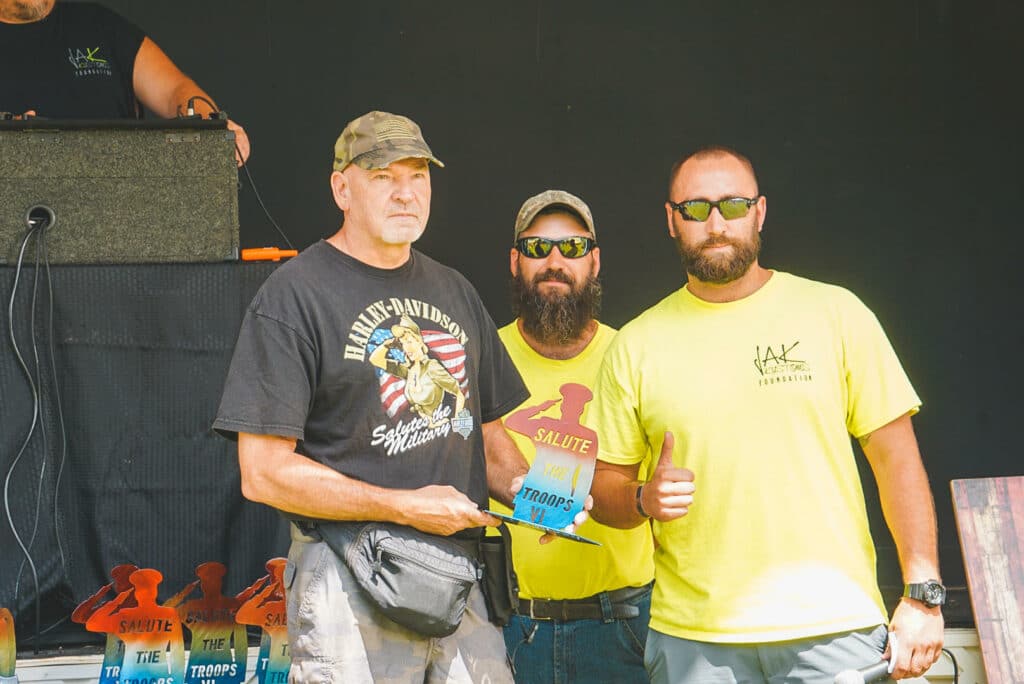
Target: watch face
point(934, 594)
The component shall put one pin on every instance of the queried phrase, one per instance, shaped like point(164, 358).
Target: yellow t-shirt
point(565, 569)
point(762, 395)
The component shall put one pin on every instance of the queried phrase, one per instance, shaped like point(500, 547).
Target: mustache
point(717, 242)
point(553, 274)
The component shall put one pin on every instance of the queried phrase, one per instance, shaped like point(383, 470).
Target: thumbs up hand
point(669, 493)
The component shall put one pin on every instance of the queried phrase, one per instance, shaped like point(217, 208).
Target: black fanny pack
point(419, 580)
point(422, 581)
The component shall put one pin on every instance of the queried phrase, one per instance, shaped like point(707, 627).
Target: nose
point(716, 223)
point(403, 191)
point(556, 260)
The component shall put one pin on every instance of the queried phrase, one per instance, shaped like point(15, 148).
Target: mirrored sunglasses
point(571, 247)
point(700, 209)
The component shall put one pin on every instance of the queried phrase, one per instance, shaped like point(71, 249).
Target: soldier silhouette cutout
point(563, 468)
point(8, 648)
point(113, 653)
point(219, 645)
point(154, 646)
point(267, 610)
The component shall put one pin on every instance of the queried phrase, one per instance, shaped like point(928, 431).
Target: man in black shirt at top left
point(79, 60)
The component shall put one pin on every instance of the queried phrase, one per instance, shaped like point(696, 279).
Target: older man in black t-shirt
point(79, 60)
point(367, 384)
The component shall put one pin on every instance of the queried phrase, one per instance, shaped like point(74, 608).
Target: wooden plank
point(990, 519)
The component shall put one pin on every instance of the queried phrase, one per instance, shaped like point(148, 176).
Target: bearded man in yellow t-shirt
point(740, 391)
point(583, 609)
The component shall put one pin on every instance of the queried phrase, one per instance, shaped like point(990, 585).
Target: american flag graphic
point(443, 346)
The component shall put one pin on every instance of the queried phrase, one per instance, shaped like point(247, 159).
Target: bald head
point(712, 152)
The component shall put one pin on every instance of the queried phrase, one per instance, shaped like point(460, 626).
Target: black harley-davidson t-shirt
point(385, 375)
point(77, 63)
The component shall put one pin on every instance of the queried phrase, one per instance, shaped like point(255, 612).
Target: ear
point(340, 190)
point(597, 260)
point(668, 217)
point(762, 210)
point(513, 262)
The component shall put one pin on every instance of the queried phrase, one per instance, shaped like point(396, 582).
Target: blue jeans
point(583, 651)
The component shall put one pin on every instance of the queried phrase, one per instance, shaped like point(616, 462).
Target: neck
point(734, 290)
point(560, 352)
point(377, 254)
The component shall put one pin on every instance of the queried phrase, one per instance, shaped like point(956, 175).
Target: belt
point(470, 543)
point(608, 605)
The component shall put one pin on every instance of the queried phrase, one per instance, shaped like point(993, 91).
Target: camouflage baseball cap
point(377, 139)
point(531, 207)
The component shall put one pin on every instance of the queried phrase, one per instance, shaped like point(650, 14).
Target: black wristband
point(639, 503)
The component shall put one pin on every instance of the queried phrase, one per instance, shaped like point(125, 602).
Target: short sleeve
point(501, 386)
point(269, 386)
point(616, 409)
point(126, 38)
point(878, 389)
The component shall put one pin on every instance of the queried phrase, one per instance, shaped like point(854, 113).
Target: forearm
point(273, 474)
point(910, 513)
point(162, 87)
point(614, 492)
point(179, 100)
point(906, 497)
point(504, 462)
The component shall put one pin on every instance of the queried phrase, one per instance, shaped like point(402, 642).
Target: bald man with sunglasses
point(765, 568)
point(583, 609)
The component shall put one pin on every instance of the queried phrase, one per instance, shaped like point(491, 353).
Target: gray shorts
point(336, 634)
point(671, 660)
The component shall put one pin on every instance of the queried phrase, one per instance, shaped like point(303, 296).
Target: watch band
point(639, 502)
point(930, 592)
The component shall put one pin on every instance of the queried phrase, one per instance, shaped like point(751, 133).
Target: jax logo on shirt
point(780, 363)
point(89, 61)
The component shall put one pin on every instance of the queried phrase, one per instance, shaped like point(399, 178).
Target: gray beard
point(556, 319)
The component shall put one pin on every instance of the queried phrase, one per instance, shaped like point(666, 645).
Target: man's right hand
point(669, 493)
point(444, 510)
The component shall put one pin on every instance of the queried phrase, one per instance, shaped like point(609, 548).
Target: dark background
point(886, 137)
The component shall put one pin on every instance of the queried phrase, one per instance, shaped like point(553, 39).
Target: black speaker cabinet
point(119, 191)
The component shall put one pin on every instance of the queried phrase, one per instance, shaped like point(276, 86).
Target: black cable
point(526, 640)
point(190, 111)
point(48, 629)
point(956, 665)
point(40, 249)
point(28, 437)
point(60, 417)
point(252, 184)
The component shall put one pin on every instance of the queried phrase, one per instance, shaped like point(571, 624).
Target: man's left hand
point(241, 140)
point(919, 631)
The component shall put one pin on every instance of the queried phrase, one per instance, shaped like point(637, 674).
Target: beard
point(719, 269)
point(556, 318)
point(401, 235)
point(27, 11)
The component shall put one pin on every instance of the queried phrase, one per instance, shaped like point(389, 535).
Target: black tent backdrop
point(886, 138)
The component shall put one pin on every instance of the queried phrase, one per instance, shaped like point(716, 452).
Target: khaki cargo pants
point(335, 633)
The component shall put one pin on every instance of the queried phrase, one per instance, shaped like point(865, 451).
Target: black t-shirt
point(77, 63)
point(383, 375)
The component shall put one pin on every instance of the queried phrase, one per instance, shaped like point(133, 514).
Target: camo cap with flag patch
point(376, 139)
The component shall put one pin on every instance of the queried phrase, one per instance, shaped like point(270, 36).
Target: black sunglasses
point(571, 247)
point(700, 209)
